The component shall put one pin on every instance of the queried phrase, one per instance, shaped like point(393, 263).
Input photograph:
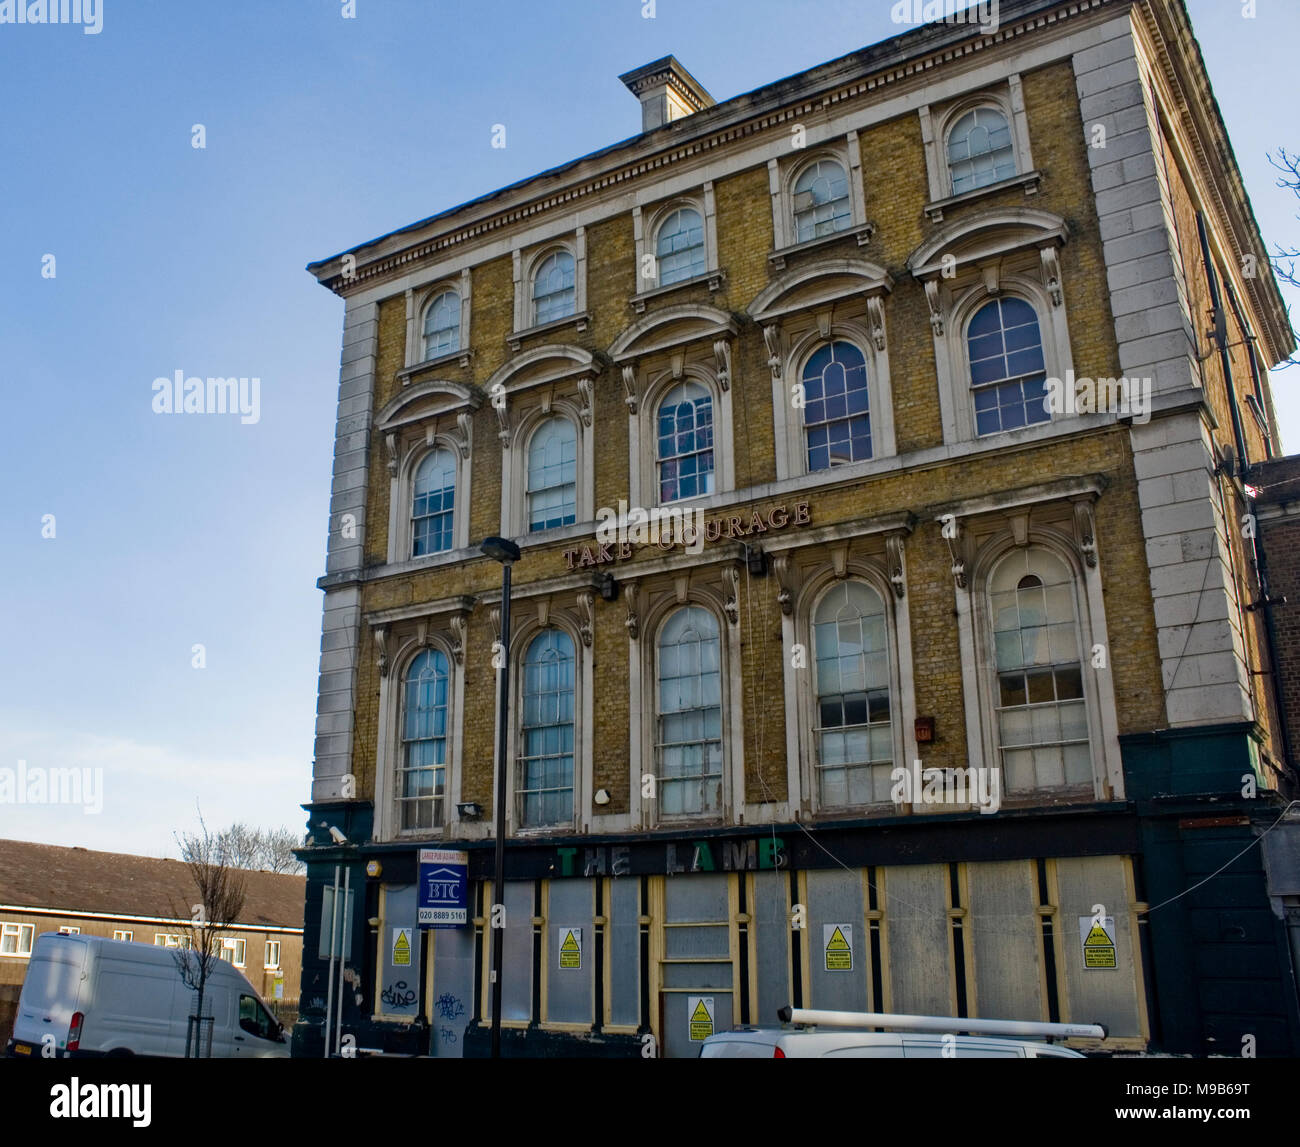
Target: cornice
point(888, 64)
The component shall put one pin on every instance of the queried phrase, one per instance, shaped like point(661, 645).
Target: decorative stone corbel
point(585, 390)
point(772, 340)
point(390, 444)
point(460, 436)
point(991, 273)
point(630, 385)
point(677, 363)
point(783, 567)
point(503, 418)
point(958, 538)
point(543, 612)
point(722, 353)
point(422, 632)
point(381, 637)
point(633, 622)
point(876, 315)
point(823, 318)
point(894, 562)
point(682, 587)
point(840, 560)
point(456, 622)
point(936, 307)
point(1085, 530)
point(1051, 273)
point(731, 581)
point(587, 613)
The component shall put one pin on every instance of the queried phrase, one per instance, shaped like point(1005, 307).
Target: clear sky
point(322, 132)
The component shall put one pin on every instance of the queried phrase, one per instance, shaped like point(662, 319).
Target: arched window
point(979, 150)
point(554, 296)
point(442, 325)
point(688, 746)
point(422, 770)
point(1007, 372)
point(433, 504)
point(680, 246)
point(821, 201)
point(685, 450)
point(855, 740)
point(1042, 721)
point(836, 420)
point(544, 785)
point(552, 475)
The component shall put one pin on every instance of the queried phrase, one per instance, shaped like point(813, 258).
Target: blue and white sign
point(443, 901)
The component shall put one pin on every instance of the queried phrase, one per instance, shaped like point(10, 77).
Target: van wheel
point(120, 1053)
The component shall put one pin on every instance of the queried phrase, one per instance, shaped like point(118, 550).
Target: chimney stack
point(667, 91)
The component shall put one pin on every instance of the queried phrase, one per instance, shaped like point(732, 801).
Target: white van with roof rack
point(812, 1034)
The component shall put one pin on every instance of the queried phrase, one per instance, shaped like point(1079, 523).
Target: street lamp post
point(507, 553)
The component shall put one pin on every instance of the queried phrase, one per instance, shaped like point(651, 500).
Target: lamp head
point(500, 549)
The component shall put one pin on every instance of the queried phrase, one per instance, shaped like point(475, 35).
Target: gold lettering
point(587, 558)
point(603, 555)
point(624, 551)
point(757, 526)
point(801, 515)
point(734, 530)
point(713, 529)
point(778, 517)
point(569, 555)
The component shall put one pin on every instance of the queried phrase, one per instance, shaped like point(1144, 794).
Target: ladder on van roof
point(813, 1018)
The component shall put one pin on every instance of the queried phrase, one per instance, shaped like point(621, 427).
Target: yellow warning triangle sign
point(570, 943)
point(1098, 938)
point(401, 949)
point(701, 1014)
point(837, 943)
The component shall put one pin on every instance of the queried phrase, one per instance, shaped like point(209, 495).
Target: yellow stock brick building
point(873, 443)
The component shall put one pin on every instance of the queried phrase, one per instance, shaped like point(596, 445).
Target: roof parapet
point(667, 92)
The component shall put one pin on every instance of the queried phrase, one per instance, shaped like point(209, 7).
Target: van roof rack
point(947, 1024)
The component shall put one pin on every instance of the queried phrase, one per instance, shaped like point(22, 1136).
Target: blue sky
point(321, 132)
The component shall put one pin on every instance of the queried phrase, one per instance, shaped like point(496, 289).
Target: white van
point(850, 1035)
point(115, 997)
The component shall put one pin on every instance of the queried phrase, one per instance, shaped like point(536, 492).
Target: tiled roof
point(49, 877)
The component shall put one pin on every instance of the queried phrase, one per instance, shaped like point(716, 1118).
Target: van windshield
point(53, 976)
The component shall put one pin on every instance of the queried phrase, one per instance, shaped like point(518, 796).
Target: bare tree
point(220, 892)
point(1284, 261)
point(259, 849)
point(276, 853)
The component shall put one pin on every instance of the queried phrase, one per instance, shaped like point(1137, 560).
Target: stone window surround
point(937, 121)
point(526, 262)
point(399, 639)
point(650, 364)
point(1004, 252)
point(425, 417)
point(652, 601)
point(645, 227)
point(417, 302)
point(551, 378)
point(782, 175)
point(1059, 517)
point(802, 585)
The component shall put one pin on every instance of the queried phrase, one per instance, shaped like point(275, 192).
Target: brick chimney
point(667, 91)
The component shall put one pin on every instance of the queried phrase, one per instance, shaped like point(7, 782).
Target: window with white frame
point(1041, 722)
point(442, 324)
point(1007, 371)
point(684, 452)
point(979, 149)
point(422, 767)
point(69, 930)
point(271, 957)
point(820, 200)
point(836, 414)
point(679, 246)
point(552, 491)
point(433, 503)
point(123, 934)
point(545, 768)
point(854, 732)
point(16, 939)
point(688, 743)
point(234, 951)
point(554, 289)
point(170, 940)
